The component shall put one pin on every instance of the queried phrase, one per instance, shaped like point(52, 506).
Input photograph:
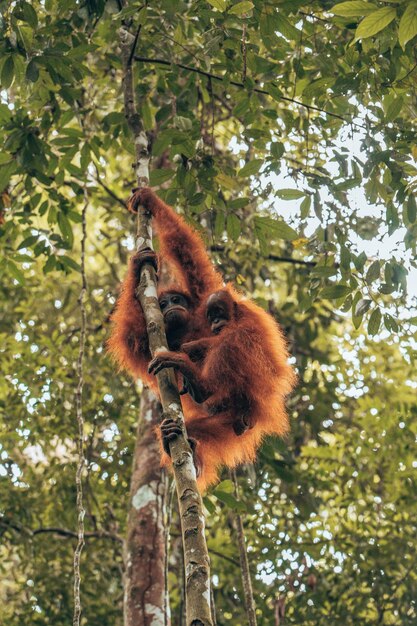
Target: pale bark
point(196, 560)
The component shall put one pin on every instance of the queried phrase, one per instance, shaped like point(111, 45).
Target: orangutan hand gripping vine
point(230, 354)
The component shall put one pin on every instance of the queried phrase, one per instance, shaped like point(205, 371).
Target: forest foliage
point(285, 131)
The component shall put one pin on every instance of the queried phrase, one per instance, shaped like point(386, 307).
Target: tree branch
point(62, 532)
point(65, 532)
point(216, 77)
point(273, 257)
point(109, 191)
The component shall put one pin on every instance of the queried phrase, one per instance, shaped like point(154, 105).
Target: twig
point(244, 59)
point(109, 191)
point(315, 17)
point(62, 532)
point(167, 531)
point(244, 563)
point(80, 422)
point(273, 257)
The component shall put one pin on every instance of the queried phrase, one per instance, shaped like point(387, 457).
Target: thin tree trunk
point(196, 559)
point(244, 563)
point(144, 554)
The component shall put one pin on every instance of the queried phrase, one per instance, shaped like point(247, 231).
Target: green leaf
point(15, 272)
point(5, 158)
point(360, 261)
point(355, 8)
point(362, 306)
point(50, 264)
point(374, 321)
point(70, 263)
point(394, 109)
point(65, 228)
point(336, 291)
point(84, 49)
point(219, 224)
point(357, 321)
point(162, 142)
point(233, 226)
point(390, 323)
point(241, 7)
point(197, 199)
point(282, 25)
point(373, 272)
point(26, 35)
point(5, 113)
point(277, 149)
point(375, 22)
point(324, 271)
point(290, 194)
point(29, 14)
point(411, 209)
point(7, 73)
point(40, 248)
point(146, 115)
point(157, 177)
point(305, 207)
point(345, 257)
point(238, 203)
point(183, 123)
point(32, 71)
point(6, 171)
point(408, 24)
point(127, 12)
point(226, 486)
point(220, 5)
point(230, 500)
point(113, 118)
point(242, 106)
point(28, 242)
point(267, 32)
point(23, 258)
point(274, 92)
point(386, 288)
point(274, 229)
point(251, 168)
point(210, 506)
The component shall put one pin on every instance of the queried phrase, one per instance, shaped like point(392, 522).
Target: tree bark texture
point(196, 559)
point(144, 554)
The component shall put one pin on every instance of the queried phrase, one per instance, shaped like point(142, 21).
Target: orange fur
point(248, 359)
point(180, 247)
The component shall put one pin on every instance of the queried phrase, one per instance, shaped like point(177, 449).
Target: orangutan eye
point(163, 304)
